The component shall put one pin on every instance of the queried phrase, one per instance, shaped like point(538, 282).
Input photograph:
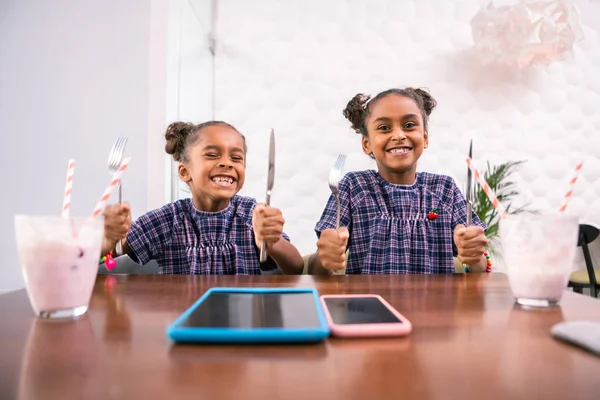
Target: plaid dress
point(184, 240)
point(390, 232)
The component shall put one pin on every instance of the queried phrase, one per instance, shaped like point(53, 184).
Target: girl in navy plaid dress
point(395, 220)
point(215, 231)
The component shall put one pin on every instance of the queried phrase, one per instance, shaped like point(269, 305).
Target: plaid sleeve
point(459, 214)
point(329, 217)
point(150, 233)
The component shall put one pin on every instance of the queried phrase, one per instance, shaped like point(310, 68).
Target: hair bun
point(176, 136)
point(429, 102)
point(354, 110)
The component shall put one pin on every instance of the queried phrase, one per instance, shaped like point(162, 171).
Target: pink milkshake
point(59, 258)
point(539, 251)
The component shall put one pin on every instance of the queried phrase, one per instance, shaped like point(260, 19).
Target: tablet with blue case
point(252, 315)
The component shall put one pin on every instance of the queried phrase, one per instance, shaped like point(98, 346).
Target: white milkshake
point(59, 258)
point(539, 251)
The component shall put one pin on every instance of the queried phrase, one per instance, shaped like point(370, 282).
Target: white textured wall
point(73, 76)
point(293, 65)
point(190, 70)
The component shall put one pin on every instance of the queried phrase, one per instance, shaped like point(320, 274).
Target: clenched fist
point(332, 248)
point(117, 221)
point(267, 223)
point(470, 242)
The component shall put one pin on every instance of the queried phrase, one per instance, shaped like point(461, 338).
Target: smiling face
point(396, 137)
point(216, 167)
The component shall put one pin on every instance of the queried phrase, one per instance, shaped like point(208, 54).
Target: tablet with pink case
point(363, 315)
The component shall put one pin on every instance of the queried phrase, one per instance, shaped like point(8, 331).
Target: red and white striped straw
point(569, 193)
point(487, 189)
point(66, 208)
point(111, 186)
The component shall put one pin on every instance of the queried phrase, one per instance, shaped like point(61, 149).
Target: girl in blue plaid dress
point(396, 220)
point(215, 231)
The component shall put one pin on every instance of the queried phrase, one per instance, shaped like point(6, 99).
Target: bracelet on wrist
point(109, 261)
point(488, 259)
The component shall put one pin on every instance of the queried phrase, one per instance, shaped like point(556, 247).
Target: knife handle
point(263, 252)
point(263, 246)
point(469, 213)
point(467, 267)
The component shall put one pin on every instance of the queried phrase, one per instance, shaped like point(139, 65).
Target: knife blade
point(270, 182)
point(469, 194)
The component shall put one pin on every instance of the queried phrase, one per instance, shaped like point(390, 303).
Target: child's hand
point(117, 221)
point(332, 248)
point(470, 242)
point(267, 223)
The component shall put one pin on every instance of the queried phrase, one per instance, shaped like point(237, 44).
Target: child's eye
point(237, 158)
point(211, 155)
point(384, 128)
point(409, 125)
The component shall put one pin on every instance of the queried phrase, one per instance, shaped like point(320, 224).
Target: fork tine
point(111, 157)
point(342, 161)
point(332, 172)
point(116, 154)
point(125, 138)
point(338, 167)
point(121, 143)
point(336, 175)
point(336, 171)
point(340, 164)
point(113, 153)
point(121, 148)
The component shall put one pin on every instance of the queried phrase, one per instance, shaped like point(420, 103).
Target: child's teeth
point(219, 179)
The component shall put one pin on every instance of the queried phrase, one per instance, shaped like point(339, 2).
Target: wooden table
point(468, 342)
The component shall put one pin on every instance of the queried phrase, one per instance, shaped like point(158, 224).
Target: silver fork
point(115, 159)
point(334, 184)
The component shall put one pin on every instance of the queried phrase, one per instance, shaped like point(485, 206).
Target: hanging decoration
point(521, 33)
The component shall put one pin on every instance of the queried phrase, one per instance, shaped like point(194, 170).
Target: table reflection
point(61, 360)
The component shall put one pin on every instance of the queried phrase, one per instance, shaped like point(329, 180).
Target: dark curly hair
point(180, 135)
point(358, 109)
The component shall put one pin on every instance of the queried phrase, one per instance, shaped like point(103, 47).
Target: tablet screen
point(255, 310)
point(359, 310)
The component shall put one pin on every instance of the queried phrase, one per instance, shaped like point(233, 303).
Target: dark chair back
point(587, 234)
